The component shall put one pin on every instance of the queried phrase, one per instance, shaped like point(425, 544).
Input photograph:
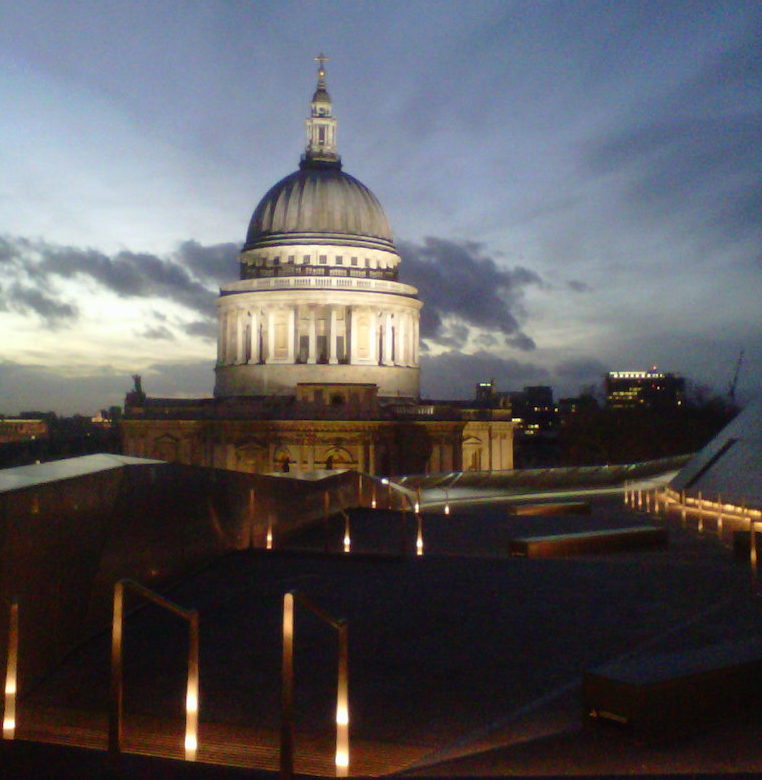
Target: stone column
point(312, 335)
point(332, 358)
point(361, 451)
point(446, 458)
point(374, 356)
point(230, 338)
point(371, 455)
point(292, 334)
point(270, 336)
point(401, 357)
point(387, 357)
point(415, 345)
point(221, 339)
point(350, 314)
point(240, 329)
point(254, 338)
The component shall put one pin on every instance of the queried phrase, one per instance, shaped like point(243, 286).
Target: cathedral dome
point(319, 202)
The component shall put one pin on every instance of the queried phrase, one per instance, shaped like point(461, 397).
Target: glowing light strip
point(11, 669)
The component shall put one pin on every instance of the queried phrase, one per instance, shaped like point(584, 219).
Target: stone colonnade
point(318, 333)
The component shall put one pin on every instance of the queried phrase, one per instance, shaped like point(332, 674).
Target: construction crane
point(734, 380)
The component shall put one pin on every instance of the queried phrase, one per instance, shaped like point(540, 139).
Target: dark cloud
point(573, 375)
point(520, 341)
point(25, 299)
point(453, 334)
point(730, 78)
point(694, 154)
point(157, 333)
point(173, 380)
point(7, 253)
point(455, 374)
point(457, 280)
point(578, 286)
point(130, 274)
point(485, 340)
point(215, 263)
point(127, 274)
point(202, 328)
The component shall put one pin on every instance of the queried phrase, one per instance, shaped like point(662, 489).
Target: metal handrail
point(287, 687)
point(116, 713)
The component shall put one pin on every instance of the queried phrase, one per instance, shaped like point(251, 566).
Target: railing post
point(347, 538)
point(719, 515)
point(700, 514)
point(192, 692)
point(403, 525)
point(342, 703)
point(326, 507)
point(269, 538)
point(11, 672)
point(251, 518)
point(684, 510)
point(419, 537)
point(753, 554)
point(117, 683)
point(287, 691)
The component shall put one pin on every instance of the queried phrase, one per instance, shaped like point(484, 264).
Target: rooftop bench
point(662, 697)
point(585, 542)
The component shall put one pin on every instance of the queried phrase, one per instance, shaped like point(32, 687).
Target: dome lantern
point(321, 125)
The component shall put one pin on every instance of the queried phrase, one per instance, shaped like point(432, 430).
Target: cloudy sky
point(574, 186)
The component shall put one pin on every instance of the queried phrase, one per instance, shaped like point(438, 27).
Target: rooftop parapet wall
point(577, 476)
point(64, 542)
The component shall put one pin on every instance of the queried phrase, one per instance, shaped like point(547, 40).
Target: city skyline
point(573, 187)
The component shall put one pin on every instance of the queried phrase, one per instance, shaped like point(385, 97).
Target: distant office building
point(567, 407)
point(644, 390)
point(534, 410)
point(488, 396)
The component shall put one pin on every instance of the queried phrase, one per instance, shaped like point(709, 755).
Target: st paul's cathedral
point(318, 346)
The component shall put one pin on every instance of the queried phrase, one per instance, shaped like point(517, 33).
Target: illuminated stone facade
point(374, 446)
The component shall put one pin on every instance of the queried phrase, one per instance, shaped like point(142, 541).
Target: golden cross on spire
point(321, 59)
